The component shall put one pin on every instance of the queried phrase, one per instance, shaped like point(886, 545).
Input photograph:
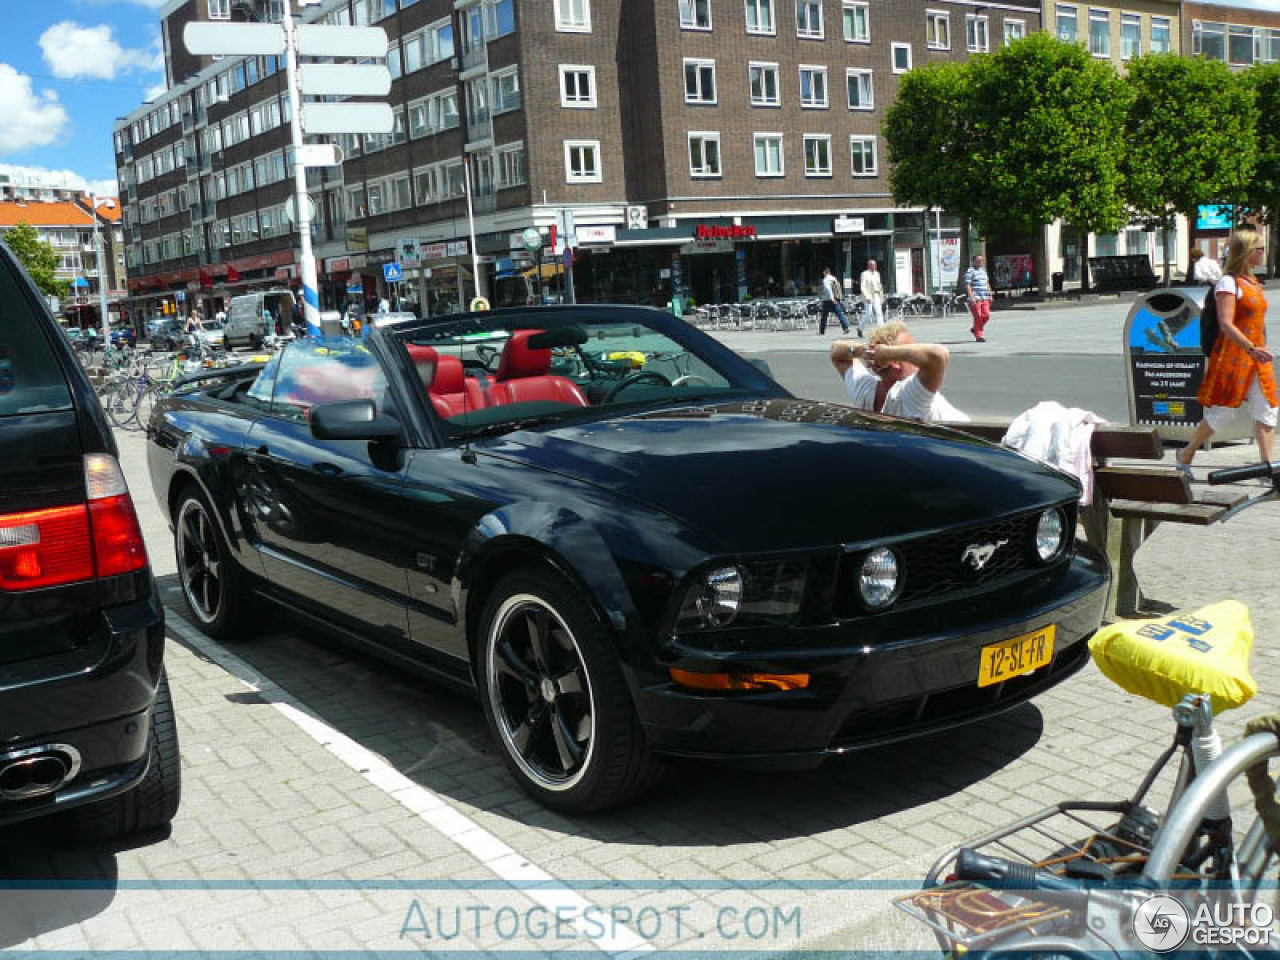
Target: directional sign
point(235, 39)
point(392, 273)
point(347, 118)
point(321, 41)
point(343, 79)
point(320, 155)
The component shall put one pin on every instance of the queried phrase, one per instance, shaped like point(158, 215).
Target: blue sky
point(68, 69)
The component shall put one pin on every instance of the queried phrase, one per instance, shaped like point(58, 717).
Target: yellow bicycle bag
point(1206, 651)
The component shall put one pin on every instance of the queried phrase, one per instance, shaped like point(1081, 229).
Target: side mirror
point(761, 366)
point(352, 420)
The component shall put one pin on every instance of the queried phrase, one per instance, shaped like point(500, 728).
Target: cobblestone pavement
point(326, 794)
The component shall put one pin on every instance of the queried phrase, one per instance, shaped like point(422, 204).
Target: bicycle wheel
point(147, 403)
point(118, 401)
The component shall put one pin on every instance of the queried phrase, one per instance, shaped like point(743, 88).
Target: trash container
point(1057, 282)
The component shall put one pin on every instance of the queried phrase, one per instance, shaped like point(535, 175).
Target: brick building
point(642, 120)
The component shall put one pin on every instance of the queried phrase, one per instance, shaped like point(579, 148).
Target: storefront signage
point(695, 247)
point(708, 231)
point(1013, 271)
point(597, 236)
point(407, 251)
point(849, 225)
point(358, 238)
point(1214, 217)
point(337, 265)
point(637, 217)
point(435, 251)
point(458, 248)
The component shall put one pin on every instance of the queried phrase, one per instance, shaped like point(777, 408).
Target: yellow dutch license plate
point(1016, 657)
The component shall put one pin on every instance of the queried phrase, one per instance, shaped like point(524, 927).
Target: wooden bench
point(1130, 500)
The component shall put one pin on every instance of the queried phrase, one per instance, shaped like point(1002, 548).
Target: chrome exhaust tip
point(36, 771)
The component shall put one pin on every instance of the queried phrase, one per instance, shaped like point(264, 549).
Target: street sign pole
point(471, 225)
point(306, 259)
point(102, 272)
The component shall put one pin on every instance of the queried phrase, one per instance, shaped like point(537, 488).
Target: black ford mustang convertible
point(627, 540)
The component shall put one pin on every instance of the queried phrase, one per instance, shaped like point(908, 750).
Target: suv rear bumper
point(96, 699)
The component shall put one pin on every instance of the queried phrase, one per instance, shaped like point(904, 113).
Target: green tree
point(37, 257)
point(1264, 189)
point(1190, 137)
point(1046, 144)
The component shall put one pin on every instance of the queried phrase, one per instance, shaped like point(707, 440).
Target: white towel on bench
point(1059, 436)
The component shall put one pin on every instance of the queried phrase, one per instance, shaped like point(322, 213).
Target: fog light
point(879, 579)
point(740, 681)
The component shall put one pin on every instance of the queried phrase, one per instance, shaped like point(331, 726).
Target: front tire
point(555, 698)
point(213, 584)
point(153, 803)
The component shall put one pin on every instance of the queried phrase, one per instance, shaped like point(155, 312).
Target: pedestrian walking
point(978, 286)
point(1204, 270)
point(1240, 369)
point(871, 286)
point(830, 295)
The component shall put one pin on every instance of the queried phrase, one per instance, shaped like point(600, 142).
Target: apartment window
point(477, 101)
point(769, 155)
point(506, 91)
point(1240, 47)
point(377, 196)
point(401, 196)
point(394, 65)
point(817, 155)
point(764, 84)
point(977, 35)
point(1130, 36)
point(1105, 245)
point(1014, 30)
point(499, 17)
point(809, 19)
point(1100, 33)
point(1161, 35)
point(429, 46)
point(700, 81)
point(760, 16)
point(1209, 39)
point(1271, 52)
point(937, 30)
point(573, 16)
point(511, 165)
point(857, 22)
point(577, 86)
point(900, 54)
point(862, 151)
point(695, 14)
point(582, 161)
point(1135, 240)
point(861, 90)
point(704, 154)
point(355, 203)
point(219, 9)
point(813, 87)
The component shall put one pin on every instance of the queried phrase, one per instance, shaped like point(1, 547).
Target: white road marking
point(498, 857)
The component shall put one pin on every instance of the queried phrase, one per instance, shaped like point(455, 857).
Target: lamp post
point(102, 275)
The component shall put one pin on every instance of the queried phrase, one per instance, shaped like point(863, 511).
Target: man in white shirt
point(893, 374)
point(829, 296)
point(872, 289)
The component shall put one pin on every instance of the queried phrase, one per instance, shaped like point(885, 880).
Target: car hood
point(781, 474)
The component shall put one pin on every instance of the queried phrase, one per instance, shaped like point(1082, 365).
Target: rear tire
point(555, 698)
point(154, 802)
point(216, 590)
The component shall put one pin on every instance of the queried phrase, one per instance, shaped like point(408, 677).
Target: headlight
point(878, 579)
point(748, 594)
point(1051, 535)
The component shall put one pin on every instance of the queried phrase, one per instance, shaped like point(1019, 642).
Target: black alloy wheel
point(212, 583)
point(555, 697)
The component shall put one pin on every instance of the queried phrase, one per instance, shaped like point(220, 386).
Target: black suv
point(86, 722)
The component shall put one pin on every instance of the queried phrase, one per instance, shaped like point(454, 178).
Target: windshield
point(491, 373)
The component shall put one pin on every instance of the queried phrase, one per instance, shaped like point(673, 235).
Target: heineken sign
point(706, 231)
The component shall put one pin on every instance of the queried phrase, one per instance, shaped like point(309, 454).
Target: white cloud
point(63, 179)
point(155, 91)
point(27, 118)
point(74, 50)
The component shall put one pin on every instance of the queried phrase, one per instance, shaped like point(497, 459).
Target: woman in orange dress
point(1240, 369)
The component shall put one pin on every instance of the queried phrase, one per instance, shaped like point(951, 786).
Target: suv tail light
point(57, 545)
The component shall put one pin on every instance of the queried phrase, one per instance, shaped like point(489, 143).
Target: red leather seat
point(524, 376)
point(451, 391)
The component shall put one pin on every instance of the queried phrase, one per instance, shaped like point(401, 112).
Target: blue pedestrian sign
point(392, 273)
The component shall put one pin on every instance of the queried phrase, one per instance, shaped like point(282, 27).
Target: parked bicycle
point(1035, 887)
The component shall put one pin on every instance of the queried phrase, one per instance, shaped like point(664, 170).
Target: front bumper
point(862, 695)
point(96, 699)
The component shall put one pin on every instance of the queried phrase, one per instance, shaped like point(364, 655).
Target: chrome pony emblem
point(978, 555)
